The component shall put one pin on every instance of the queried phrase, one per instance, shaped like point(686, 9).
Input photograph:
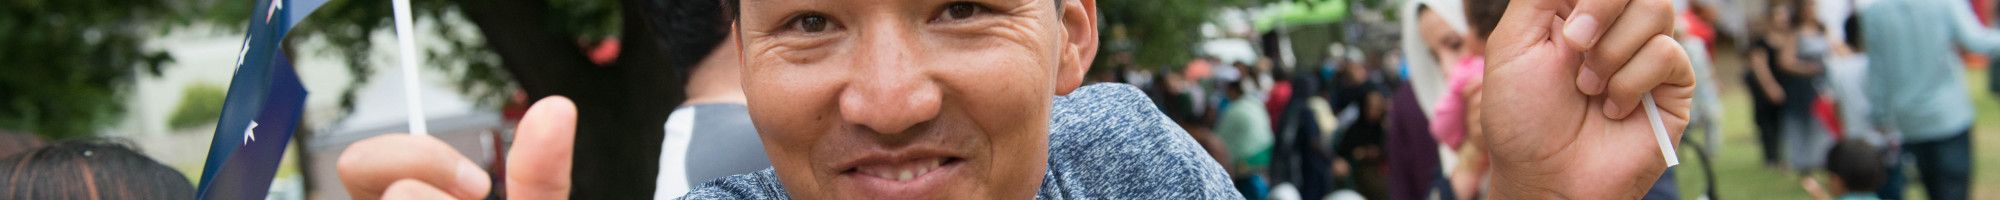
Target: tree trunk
point(621, 108)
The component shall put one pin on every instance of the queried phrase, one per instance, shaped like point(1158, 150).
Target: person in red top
point(1280, 93)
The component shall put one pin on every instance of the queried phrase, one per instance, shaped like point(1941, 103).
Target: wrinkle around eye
point(995, 31)
point(796, 50)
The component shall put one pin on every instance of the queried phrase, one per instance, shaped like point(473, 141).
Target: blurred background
point(1333, 80)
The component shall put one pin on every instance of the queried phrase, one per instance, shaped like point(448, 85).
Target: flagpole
point(1660, 131)
point(406, 44)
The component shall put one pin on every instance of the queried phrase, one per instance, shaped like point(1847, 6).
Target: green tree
point(201, 104)
point(1164, 34)
point(70, 62)
point(1158, 34)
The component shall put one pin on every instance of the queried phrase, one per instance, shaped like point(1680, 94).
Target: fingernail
point(1611, 109)
point(1581, 31)
point(1588, 81)
point(472, 179)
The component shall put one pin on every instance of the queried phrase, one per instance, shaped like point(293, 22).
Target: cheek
point(1004, 80)
point(1003, 86)
point(789, 103)
point(1001, 95)
point(1010, 107)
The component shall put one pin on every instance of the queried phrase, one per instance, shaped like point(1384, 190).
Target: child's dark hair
point(1484, 15)
point(89, 169)
point(1858, 164)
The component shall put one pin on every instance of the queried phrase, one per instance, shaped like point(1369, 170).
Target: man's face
point(872, 99)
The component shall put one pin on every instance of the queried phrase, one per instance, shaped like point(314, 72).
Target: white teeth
point(904, 172)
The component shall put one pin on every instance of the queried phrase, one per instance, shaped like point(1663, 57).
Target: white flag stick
point(1660, 131)
point(406, 44)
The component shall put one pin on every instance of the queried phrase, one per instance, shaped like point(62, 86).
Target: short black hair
point(85, 169)
point(1858, 164)
point(1484, 15)
point(730, 6)
point(688, 30)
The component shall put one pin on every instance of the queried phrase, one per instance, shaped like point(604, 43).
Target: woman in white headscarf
point(1426, 73)
point(1444, 65)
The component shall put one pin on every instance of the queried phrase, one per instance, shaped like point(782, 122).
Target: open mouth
point(904, 171)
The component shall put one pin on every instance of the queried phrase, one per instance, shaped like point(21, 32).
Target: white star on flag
point(250, 133)
point(275, 4)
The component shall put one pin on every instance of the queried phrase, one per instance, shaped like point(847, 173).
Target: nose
point(888, 92)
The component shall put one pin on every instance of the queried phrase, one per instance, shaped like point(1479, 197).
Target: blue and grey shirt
point(1916, 83)
point(1106, 141)
point(707, 142)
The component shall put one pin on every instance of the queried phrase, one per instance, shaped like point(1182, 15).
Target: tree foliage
point(1159, 33)
point(201, 104)
point(537, 46)
point(1166, 33)
point(476, 69)
point(70, 62)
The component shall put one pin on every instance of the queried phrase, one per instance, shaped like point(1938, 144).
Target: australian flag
point(263, 107)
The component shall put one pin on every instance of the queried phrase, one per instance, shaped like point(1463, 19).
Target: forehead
point(1434, 24)
point(876, 1)
point(750, 4)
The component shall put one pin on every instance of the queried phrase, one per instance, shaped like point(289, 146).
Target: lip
point(864, 175)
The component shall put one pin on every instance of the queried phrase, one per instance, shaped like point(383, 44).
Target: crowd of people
point(1860, 90)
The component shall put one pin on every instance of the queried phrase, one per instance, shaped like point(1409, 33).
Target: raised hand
point(402, 166)
point(1563, 78)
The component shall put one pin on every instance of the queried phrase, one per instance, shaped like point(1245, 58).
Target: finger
point(1589, 82)
point(1526, 24)
point(1589, 20)
point(1641, 21)
point(414, 189)
point(1660, 62)
point(538, 166)
point(368, 167)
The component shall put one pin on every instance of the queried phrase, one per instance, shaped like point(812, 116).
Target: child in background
point(89, 169)
point(1857, 169)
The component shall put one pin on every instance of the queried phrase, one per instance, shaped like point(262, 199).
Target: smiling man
point(922, 99)
point(982, 99)
point(883, 99)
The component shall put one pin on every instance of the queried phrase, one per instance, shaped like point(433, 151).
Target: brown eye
point(1453, 43)
point(961, 11)
point(810, 24)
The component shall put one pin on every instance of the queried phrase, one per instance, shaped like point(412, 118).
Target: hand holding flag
point(1563, 79)
point(401, 166)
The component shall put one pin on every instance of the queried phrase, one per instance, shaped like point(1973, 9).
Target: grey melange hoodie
point(1106, 141)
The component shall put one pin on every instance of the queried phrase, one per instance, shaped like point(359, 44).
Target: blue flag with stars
point(262, 109)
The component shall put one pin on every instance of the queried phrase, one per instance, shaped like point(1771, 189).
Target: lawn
point(1741, 174)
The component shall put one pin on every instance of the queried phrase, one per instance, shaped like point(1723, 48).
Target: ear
point(1078, 18)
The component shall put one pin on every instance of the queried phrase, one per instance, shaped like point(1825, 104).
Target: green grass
point(1740, 173)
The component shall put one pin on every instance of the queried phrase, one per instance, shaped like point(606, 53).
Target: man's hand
point(1564, 78)
point(402, 166)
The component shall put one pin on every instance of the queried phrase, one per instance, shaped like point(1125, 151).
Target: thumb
point(538, 166)
point(1589, 21)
